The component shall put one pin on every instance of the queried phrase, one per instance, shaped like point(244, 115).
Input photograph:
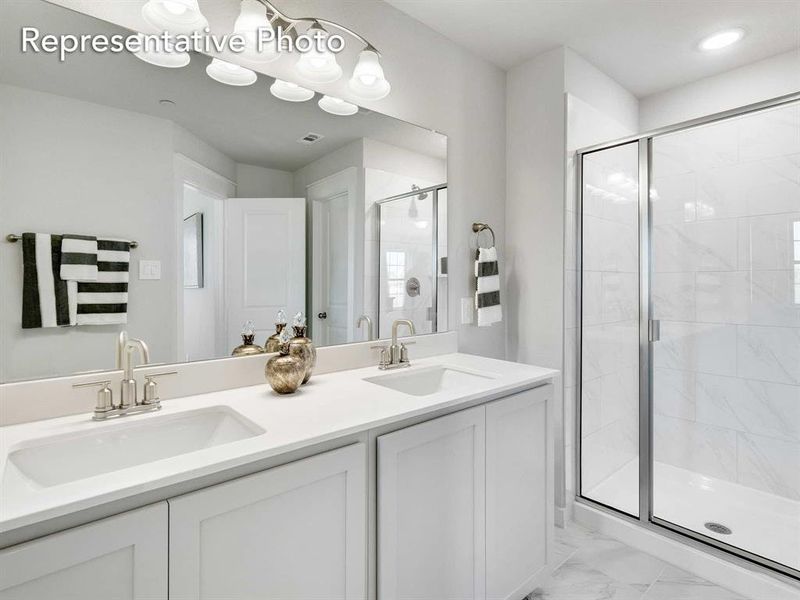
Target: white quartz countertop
point(328, 407)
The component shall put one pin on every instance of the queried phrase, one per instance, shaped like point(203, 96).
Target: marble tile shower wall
point(609, 418)
point(726, 287)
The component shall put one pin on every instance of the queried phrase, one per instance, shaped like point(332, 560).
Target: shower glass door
point(725, 288)
point(609, 371)
point(408, 260)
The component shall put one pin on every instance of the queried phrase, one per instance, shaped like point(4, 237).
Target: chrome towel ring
point(478, 227)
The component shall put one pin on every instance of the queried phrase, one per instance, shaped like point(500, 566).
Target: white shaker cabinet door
point(518, 493)
point(120, 558)
point(294, 532)
point(431, 517)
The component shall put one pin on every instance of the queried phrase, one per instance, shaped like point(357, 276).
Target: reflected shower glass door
point(408, 254)
point(725, 286)
point(609, 415)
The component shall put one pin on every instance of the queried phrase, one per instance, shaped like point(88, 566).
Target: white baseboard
point(752, 584)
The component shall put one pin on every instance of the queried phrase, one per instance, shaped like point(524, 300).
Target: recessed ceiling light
point(721, 39)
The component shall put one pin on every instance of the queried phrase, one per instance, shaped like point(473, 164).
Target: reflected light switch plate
point(149, 269)
point(467, 311)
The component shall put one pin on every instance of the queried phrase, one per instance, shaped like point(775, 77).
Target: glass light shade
point(368, 80)
point(161, 55)
point(337, 106)
point(176, 16)
point(251, 24)
point(291, 92)
point(318, 67)
point(230, 74)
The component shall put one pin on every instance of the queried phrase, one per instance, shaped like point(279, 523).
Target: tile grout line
point(655, 581)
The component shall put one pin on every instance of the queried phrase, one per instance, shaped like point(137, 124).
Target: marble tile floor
point(592, 566)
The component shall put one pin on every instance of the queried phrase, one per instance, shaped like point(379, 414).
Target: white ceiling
point(646, 45)
point(247, 124)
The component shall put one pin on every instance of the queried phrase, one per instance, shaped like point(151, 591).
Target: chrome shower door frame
point(646, 518)
point(434, 190)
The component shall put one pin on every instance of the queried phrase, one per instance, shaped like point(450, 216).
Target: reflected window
point(396, 277)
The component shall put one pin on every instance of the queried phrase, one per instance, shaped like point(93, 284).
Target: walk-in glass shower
point(689, 346)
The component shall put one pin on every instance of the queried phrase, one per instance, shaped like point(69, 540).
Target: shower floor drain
point(718, 528)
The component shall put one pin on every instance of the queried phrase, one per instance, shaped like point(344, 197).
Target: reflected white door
point(265, 262)
point(330, 305)
point(337, 258)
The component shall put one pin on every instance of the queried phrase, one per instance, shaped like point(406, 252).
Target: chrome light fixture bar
point(368, 80)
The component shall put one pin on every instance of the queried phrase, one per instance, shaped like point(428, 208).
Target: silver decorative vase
point(303, 348)
point(285, 372)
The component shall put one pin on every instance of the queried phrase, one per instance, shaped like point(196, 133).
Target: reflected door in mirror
point(265, 251)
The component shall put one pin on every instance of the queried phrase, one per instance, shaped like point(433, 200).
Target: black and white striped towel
point(78, 257)
point(45, 298)
point(487, 287)
point(105, 301)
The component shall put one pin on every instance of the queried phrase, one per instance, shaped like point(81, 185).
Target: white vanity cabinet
point(119, 558)
point(464, 507)
point(293, 532)
point(456, 507)
point(431, 521)
point(519, 493)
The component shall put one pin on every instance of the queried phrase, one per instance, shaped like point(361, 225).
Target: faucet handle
point(403, 354)
point(384, 360)
point(105, 398)
point(151, 387)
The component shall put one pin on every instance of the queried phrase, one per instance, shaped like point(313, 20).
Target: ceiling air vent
point(310, 138)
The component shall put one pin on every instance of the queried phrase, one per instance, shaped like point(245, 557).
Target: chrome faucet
point(396, 355)
point(129, 402)
point(365, 318)
point(128, 395)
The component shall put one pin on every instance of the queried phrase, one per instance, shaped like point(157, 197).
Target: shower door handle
point(654, 330)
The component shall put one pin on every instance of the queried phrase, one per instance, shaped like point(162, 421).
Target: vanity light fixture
point(291, 92)
point(175, 16)
point(368, 80)
point(337, 106)
point(230, 74)
point(251, 23)
point(162, 55)
point(317, 66)
point(721, 39)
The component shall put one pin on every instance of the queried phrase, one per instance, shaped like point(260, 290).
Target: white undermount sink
point(425, 381)
point(128, 443)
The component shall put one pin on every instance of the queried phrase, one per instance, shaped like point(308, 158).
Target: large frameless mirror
point(213, 205)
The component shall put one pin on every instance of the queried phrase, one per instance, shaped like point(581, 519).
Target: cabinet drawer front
point(431, 521)
point(291, 533)
point(122, 557)
point(517, 493)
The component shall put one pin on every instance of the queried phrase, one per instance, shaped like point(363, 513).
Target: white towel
point(487, 287)
point(78, 258)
